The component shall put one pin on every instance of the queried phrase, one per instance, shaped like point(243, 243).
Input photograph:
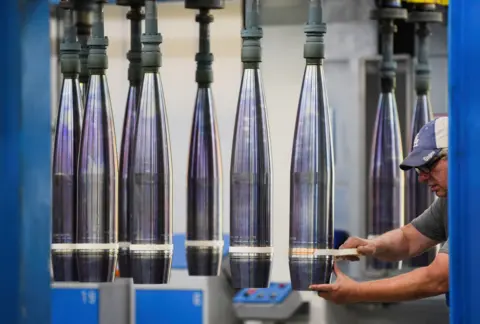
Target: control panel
point(275, 294)
point(275, 303)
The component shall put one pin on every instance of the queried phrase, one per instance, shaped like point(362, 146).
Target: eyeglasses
point(427, 168)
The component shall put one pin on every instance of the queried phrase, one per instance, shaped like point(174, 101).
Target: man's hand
point(364, 247)
point(343, 291)
point(419, 283)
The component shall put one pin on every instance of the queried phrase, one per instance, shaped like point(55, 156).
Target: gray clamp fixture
point(252, 34)
point(315, 30)
point(387, 12)
point(151, 40)
point(134, 55)
point(204, 58)
point(69, 48)
point(84, 26)
point(422, 14)
point(98, 43)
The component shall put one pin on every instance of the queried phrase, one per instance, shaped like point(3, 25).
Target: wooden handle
point(337, 253)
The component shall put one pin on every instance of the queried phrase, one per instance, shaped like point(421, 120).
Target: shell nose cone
point(310, 271)
point(204, 261)
point(252, 271)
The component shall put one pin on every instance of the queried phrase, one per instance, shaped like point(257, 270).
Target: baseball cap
point(430, 140)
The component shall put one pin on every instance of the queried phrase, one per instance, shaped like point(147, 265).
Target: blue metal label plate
point(169, 307)
point(74, 306)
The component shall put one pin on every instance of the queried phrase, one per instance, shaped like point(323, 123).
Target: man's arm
point(422, 233)
point(401, 243)
point(419, 283)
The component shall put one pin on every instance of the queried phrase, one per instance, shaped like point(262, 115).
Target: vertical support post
point(120, 297)
point(464, 157)
point(25, 168)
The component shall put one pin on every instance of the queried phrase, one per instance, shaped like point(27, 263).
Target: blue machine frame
point(464, 176)
point(25, 143)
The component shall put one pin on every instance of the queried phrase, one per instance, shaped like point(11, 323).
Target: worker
point(429, 158)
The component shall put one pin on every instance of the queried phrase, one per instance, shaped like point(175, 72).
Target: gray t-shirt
point(433, 223)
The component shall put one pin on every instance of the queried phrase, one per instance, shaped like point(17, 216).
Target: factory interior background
point(352, 76)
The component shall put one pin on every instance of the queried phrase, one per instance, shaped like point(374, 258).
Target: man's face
point(436, 177)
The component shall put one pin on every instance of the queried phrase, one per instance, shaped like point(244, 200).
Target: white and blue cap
point(429, 142)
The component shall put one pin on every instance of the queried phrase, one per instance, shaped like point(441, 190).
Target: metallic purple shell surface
point(204, 243)
point(97, 187)
point(150, 188)
point(125, 153)
point(64, 189)
point(311, 184)
point(419, 196)
point(387, 181)
point(83, 89)
point(251, 247)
